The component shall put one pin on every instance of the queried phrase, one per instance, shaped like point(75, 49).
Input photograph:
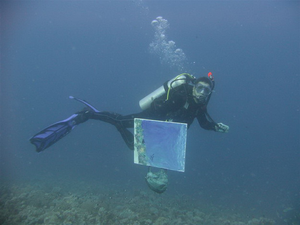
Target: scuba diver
point(181, 99)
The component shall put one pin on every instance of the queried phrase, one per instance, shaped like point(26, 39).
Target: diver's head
point(202, 89)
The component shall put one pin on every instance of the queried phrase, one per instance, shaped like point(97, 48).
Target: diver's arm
point(211, 125)
point(205, 123)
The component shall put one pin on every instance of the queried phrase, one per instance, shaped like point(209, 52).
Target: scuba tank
point(164, 89)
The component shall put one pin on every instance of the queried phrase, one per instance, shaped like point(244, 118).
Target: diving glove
point(220, 127)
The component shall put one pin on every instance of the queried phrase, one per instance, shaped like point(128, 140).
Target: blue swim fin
point(56, 131)
point(53, 133)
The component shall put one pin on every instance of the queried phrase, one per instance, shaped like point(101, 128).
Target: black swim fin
point(56, 131)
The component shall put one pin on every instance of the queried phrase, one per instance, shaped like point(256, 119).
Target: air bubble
point(166, 50)
point(154, 22)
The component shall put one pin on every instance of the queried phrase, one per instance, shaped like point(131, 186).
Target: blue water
point(100, 51)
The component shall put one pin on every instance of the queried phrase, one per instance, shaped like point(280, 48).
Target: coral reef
point(44, 203)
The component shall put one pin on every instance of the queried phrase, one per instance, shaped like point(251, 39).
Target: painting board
point(160, 144)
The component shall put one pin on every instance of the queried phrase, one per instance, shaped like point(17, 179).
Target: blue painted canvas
point(160, 144)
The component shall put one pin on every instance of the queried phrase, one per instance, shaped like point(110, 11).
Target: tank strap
point(166, 86)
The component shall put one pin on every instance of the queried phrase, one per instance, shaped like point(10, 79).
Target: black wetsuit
point(180, 107)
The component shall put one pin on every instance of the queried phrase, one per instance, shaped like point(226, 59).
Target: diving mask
point(201, 90)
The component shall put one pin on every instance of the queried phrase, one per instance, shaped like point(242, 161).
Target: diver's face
point(201, 91)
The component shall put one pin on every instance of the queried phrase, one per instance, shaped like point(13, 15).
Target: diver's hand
point(220, 127)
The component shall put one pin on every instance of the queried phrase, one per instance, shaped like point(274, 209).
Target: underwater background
point(112, 54)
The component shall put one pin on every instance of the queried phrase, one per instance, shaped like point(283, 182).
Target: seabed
point(71, 203)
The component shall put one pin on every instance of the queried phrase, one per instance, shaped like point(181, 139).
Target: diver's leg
point(113, 118)
point(121, 123)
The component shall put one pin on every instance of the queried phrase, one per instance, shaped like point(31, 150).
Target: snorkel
point(210, 76)
point(208, 98)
